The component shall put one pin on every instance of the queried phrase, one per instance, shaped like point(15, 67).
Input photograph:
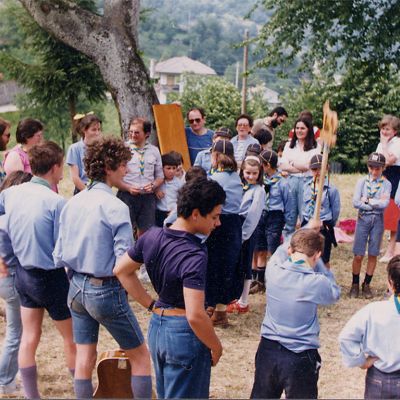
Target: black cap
point(223, 146)
point(254, 148)
point(316, 161)
point(270, 157)
point(223, 132)
point(376, 160)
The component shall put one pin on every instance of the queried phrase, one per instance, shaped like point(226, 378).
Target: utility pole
point(244, 81)
point(237, 74)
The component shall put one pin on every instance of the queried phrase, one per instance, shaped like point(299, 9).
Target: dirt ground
point(233, 377)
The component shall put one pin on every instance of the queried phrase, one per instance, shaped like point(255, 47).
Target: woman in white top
point(295, 162)
point(389, 146)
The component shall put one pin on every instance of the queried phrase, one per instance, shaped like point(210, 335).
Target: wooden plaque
point(171, 130)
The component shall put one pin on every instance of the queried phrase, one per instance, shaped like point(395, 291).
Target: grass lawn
point(233, 377)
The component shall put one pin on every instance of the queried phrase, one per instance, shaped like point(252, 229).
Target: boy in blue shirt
point(40, 283)
point(371, 197)
point(287, 358)
point(95, 230)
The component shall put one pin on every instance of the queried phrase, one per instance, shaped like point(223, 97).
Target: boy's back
point(33, 211)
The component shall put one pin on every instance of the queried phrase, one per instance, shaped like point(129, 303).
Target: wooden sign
point(171, 130)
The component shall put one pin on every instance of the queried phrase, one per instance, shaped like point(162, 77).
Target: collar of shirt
point(182, 234)
point(40, 181)
point(100, 186)
point(297, 263)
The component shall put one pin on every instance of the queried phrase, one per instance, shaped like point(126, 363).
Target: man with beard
point(275, 118)
point(4, 139)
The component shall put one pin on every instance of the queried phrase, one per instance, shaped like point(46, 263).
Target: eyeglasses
point(242, 125)
point(192, 121)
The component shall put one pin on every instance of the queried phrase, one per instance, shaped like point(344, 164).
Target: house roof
point(179, 65)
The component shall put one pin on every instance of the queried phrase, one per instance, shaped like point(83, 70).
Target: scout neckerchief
point(298, 259)
point(268, 183)
point(220, 169)
point(397, 302)
point(140, 151)
point(247, 186)
point(40, 181)
point(371, 192)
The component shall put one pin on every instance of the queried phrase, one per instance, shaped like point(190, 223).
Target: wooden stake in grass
point(328, 139)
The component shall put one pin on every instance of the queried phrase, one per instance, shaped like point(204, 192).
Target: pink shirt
point(23, 155)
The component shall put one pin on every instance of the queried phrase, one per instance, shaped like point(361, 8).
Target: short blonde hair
point(307, 241)
point(390, 120)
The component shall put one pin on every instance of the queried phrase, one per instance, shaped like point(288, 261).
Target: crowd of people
point(238, 222)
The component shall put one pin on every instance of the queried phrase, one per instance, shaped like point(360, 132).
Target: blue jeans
point(102, 301)
point(296, 186)
point(182, 363)
point(369, 229)
point(9, 354)
point(380, 385)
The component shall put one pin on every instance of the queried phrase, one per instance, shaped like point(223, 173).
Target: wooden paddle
point(328, 139)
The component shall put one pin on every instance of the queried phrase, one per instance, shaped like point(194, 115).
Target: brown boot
point(354, 291)
point(220, 318)
point(366, 291)
point(259, 287)
point(210, 311)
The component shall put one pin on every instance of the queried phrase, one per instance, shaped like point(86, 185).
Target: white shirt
point(393, 148)
point(299, 155)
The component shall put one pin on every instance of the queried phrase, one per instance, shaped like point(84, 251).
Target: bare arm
point(74, 170)
point(13, 163)
point(125, 270)
point(200, 322)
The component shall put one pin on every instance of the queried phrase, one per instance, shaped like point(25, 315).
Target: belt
point(97, 281)
point(170, 312)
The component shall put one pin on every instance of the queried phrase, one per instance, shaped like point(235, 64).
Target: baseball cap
point(376, 160)
point(254, 148)
point(224, 147)
point(223, 132)
point(316, 161)
point(269, 156)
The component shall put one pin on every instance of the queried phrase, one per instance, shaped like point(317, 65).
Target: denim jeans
point(369, 229)
point(380, 385)
point(9, 354)
point(279, 369)
point(96, 301)
point(182, 363)
point(296, 186)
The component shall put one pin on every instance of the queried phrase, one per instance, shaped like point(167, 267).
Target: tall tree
point(111, 41)
point(57, 77)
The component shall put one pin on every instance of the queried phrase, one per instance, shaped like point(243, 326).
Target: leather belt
point(170, 312)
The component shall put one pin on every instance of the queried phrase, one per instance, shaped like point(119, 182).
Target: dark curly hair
point(393, 270)
point(201, 194)
point(106, 152)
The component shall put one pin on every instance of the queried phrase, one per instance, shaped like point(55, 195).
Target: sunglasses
point(192, 121)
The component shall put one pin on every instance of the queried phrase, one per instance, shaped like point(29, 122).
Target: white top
point(393, 148)
point(299, 155)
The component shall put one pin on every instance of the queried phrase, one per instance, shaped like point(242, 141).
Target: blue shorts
point(269, 231)
point(102, 301)
point(40, 288)
point(369, 229)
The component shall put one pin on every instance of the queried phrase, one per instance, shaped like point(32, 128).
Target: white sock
point(220, 307)
point(244, 298)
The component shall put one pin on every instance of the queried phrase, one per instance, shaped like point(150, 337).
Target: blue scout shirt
point(95, 230)
point(279, 197)
point(294, 291)
point(75, 155)
point(197, 143)
point(232, 185)
point(170, 189)
point(33, 212)
point(6, 250)
point(251, 209)
point(378, 194)
point(203, 160)
point(330, 204)
point(373, 331)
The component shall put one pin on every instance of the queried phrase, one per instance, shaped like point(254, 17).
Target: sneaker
point(236, 308)
point(366, 291)
point(354, 291)
point(259, 287)
point(385, 259)
point(220, 318)
point(11, 389)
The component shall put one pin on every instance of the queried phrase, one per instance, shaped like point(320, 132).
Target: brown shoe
point(354, 291)
point(220, 318)
point(366, 291)
point(210, 311)
point(258, 288)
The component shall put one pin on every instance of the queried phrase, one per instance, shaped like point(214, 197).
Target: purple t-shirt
point(174, 259)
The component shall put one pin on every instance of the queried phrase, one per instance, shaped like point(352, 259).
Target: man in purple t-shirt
point(182, 340)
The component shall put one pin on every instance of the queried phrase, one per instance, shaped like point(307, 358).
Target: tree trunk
point(111, 42)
